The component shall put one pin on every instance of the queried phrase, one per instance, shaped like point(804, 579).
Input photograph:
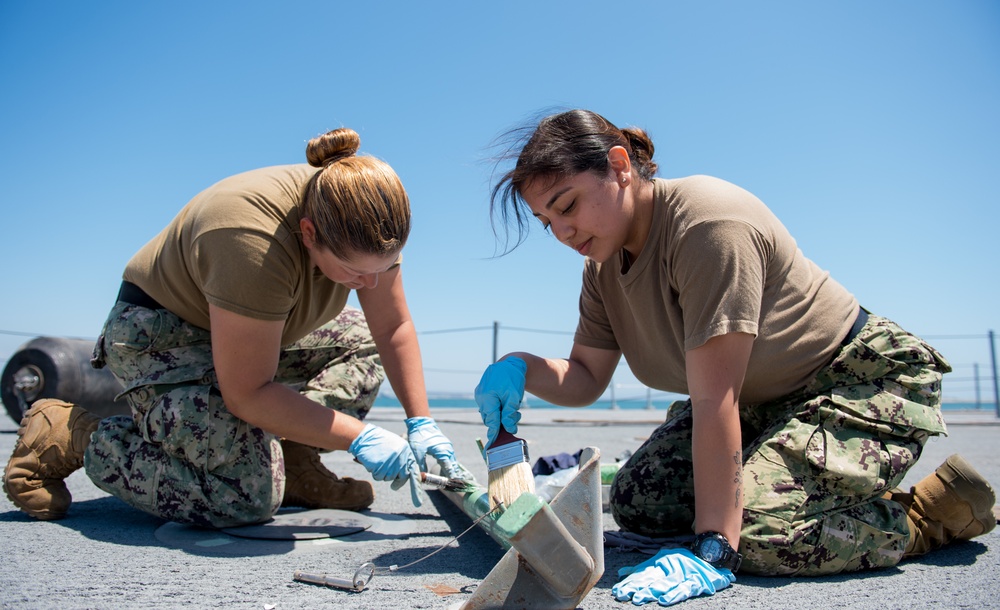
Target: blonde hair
point(357, 203)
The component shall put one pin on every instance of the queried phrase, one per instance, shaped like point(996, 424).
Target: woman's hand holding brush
point(499, 395)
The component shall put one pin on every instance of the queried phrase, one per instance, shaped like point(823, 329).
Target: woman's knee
point(652, 503)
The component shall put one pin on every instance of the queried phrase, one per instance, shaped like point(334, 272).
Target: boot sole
point(972, 487)
point(46, 516)
point(22, 427)
point(293, 499)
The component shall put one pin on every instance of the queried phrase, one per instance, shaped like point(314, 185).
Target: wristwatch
point(714, 549)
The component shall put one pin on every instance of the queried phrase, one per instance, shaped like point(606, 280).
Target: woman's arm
point(396, 339)
point(246, 352)
point(576, 381)
point(571, 382)
point(715, 373)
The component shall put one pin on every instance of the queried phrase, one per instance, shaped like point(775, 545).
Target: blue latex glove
point(672, 576)
point(499, 395)
point(425, 438)
point(388, 458)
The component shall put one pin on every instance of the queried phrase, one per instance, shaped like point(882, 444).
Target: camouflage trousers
point(816, 463)
point(181, 455)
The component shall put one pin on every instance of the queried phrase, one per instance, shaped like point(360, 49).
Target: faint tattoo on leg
point(738, 479)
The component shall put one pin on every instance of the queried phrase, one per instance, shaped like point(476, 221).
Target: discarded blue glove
point(388, 457)
point(672, 576)
point(499, 395)
point(425, 438)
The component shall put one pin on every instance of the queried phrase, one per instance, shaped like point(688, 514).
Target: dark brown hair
point(558, 146)
point(357, 203)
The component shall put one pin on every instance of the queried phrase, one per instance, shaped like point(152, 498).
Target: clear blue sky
point(871, 128)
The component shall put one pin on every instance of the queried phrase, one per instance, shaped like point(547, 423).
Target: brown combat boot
point(952, 503)
point(50, 445)
point(308, 483)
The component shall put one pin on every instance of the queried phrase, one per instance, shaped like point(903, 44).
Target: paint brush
point(510, 474)
point(445, 483)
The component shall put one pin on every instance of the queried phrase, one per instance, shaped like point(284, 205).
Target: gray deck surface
point(108, 555)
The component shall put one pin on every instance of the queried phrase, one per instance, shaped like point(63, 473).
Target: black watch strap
point(722, 555)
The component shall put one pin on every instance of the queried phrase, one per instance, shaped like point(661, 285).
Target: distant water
point(637, 403)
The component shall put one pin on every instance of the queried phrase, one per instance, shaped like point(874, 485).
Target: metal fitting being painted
point(555, 551)
point(545, 544)
point(475, 504)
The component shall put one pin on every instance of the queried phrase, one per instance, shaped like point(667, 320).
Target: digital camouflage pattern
point(815, 464)
point(182, 456)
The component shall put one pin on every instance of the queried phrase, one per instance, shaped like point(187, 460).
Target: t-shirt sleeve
point(719, 266)
point(245, 272)
point(594, 327)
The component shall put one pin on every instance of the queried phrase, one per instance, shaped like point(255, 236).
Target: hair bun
point(332, 146)
point(642, 149)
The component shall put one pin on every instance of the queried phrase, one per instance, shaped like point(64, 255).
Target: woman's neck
point(642, 220)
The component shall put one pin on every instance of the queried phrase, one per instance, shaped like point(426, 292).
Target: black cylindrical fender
point(56, 367)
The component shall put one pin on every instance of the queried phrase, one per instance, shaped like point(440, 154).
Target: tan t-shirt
point(236, 246)
point(716, 261)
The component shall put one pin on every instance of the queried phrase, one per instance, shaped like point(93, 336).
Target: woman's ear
point(308, 232)
point(620, 164)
